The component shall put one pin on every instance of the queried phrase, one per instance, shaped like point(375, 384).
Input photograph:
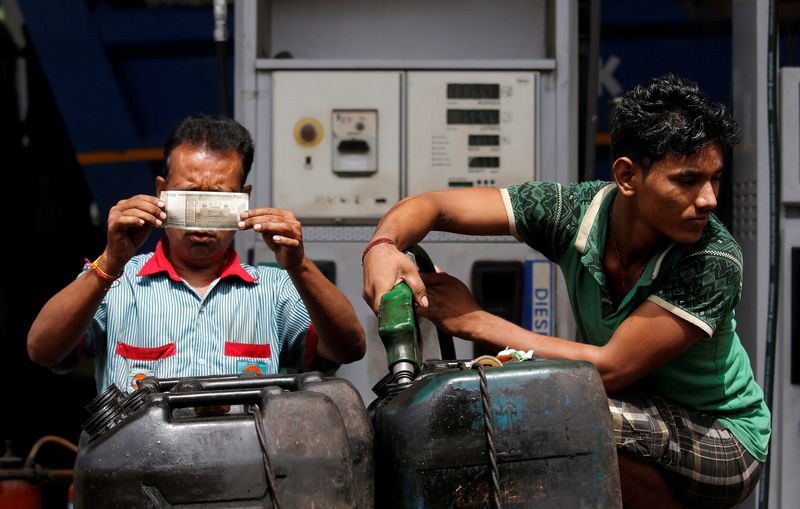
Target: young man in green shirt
point(653, 278)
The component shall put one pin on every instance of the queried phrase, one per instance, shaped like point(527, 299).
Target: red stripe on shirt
point(246, 350)
point(311, 345)
point(139, 353)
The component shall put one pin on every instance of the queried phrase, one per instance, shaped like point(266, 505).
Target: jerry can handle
point(214, 398)
point(231, 382)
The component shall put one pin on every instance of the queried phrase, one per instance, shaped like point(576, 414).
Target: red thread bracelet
point(381, 240)
point(108, 278)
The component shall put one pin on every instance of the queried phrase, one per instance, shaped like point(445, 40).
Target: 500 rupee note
point(204, 210)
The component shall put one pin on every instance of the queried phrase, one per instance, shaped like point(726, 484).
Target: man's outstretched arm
point(476, 211)
point(647, 339)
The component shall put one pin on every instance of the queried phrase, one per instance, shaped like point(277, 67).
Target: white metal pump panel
point(790, 135)
point(469, 129)
point(336, 143)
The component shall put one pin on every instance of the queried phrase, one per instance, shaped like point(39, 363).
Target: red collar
point(159, 263)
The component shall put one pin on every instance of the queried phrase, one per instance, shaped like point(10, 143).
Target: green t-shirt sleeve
point(546, 215)
point(702, 287)
point(538, 208)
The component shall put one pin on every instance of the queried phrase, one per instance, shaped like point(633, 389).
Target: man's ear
point(624, 173)
point(247, 188)
point(160, 182)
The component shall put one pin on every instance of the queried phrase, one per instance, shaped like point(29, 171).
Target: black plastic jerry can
point(260, 441)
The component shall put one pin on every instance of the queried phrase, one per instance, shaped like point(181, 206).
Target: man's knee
point(643, 484)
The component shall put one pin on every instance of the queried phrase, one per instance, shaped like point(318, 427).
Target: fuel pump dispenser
point(399, 98)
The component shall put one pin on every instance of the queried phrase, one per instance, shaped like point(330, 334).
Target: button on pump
point(308, 132)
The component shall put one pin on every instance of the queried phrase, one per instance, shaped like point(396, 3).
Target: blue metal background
point(122, 75)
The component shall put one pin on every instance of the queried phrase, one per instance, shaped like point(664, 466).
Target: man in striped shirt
point(191, 308)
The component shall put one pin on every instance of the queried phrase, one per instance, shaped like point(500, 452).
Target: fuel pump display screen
point(484, 117)
point(484, 140)
point(473, 91)
point(484, 162)
point(470, 129)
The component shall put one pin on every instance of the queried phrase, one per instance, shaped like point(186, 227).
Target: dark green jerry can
point(536, 433)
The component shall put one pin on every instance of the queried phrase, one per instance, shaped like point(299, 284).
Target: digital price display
point(473, 91)
point(484, 140)
point(484, 162)
point(473, 117)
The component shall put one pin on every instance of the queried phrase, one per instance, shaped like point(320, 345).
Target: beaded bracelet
point(108, 278)
point(381, 240)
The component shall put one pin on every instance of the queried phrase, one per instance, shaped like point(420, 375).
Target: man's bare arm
point(476, 211)
point(62, 321)
point(341, 337)
point(647, 339)
point(64, 318)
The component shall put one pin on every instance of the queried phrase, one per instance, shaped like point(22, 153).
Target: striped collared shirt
point(154, 324)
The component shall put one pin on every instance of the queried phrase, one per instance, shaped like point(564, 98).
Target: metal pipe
point(221, 45)
point(31, 459)
point(773, 146)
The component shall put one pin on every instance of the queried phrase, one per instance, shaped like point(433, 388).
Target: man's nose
point(707, 197)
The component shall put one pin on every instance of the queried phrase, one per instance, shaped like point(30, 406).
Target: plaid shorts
point(702, 461)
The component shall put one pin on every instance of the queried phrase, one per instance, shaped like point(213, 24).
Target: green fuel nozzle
point(398, 332)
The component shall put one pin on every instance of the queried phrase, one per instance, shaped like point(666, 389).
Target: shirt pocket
point(138, 362)
point(249, 357)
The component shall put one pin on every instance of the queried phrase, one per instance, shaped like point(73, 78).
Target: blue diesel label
point(539, 296)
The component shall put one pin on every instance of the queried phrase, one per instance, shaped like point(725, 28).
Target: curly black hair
point(669, 115)
point(217, 133)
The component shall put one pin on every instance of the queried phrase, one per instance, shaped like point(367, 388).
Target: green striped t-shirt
point(700, 283)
